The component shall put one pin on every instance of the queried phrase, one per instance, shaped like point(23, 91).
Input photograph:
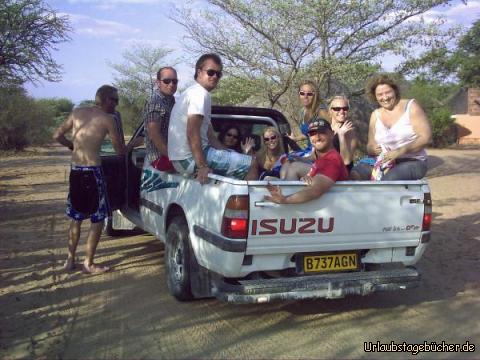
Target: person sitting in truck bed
point(193, 147)
point(398, 133)
point(232, 138)
point(328, 167)
point(269, 158)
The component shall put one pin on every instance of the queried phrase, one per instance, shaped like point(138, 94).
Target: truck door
point(114, 170)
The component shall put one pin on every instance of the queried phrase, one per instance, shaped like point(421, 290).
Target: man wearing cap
point(327, 168)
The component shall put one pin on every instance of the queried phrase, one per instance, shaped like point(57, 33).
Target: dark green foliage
point(468, 57)
point(443, 127)
point(85, 103)
point(444, 61)
point(433, 96)
point(131, 116)
point(60, 107)
point(233, 91)
point(23, 121)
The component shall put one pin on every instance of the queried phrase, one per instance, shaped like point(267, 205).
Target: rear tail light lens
point(235, 217)
point(427, 212)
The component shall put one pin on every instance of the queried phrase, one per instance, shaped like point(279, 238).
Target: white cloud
point(459, 13)
point(84, 24)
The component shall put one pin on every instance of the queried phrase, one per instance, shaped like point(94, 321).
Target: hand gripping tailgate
point(352, 215)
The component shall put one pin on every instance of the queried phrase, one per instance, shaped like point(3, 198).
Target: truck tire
point(177, 259)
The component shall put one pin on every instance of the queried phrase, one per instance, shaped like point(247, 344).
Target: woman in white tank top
point(400, 129)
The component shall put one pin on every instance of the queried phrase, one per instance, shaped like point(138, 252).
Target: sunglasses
point(305, 93)
point(168, 81)
point(232, 135)
point(114, 99)
point(211, 72)
point(344, 108)
point(271, 138)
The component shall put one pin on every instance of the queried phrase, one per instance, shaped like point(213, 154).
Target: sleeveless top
point(399, 134)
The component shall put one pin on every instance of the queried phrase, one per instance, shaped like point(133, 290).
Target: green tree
point(85, 103)
point(275, 40)
point(23, 121)
point(233, 91)
point(60, 107)
point(467, 57)
point(443, 61)
point(29, 31)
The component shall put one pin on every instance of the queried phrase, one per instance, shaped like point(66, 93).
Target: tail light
point(235, 217)
point(427, 212)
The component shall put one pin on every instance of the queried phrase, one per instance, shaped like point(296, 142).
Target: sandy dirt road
point(128, 313)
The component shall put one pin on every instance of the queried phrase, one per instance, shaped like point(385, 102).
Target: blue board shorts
point(222, 162)
point(87, 196)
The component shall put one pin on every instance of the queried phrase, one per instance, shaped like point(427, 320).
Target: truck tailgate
point(352, 215)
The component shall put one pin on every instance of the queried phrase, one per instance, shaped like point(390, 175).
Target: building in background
point(466, 107)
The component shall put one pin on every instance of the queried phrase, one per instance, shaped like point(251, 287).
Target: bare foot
point(69, 264)
point(94, 269)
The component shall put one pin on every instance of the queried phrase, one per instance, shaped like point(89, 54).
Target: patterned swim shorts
point(222, 162)
point(87, 197)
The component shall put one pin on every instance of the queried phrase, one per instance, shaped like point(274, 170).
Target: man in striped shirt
point(156, 118)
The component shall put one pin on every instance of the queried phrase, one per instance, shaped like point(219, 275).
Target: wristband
point(202, 166)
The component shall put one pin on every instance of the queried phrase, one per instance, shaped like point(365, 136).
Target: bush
point(23, 122)
point(443, 127)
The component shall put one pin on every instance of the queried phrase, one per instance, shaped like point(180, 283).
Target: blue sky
point(104, 29)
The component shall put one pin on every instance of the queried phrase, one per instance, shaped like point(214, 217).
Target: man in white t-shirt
point(193, 147)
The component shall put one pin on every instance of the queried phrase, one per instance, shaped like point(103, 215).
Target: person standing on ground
point(87, 194)
point(193, 147)
point(156, 118)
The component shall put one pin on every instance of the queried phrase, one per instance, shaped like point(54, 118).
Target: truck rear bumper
point(329, 286)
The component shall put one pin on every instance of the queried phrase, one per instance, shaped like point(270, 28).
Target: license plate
point(329, 262)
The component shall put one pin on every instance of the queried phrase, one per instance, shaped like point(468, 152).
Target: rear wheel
point(177, 259)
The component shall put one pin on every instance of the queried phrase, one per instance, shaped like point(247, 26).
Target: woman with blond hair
point(310, 99)
point(269, 157)
point(345, 140)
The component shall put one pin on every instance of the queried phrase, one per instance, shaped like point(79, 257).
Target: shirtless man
point(87, 196)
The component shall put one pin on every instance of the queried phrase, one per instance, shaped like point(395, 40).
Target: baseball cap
point(319, 125)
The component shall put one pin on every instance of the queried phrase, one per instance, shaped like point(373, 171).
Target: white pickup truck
point(223, 240)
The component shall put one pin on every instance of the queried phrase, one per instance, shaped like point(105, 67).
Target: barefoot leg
point(92, 242)
point(73, 237)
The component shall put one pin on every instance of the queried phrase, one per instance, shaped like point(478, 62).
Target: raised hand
point(345, 128)
point(248, 145)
